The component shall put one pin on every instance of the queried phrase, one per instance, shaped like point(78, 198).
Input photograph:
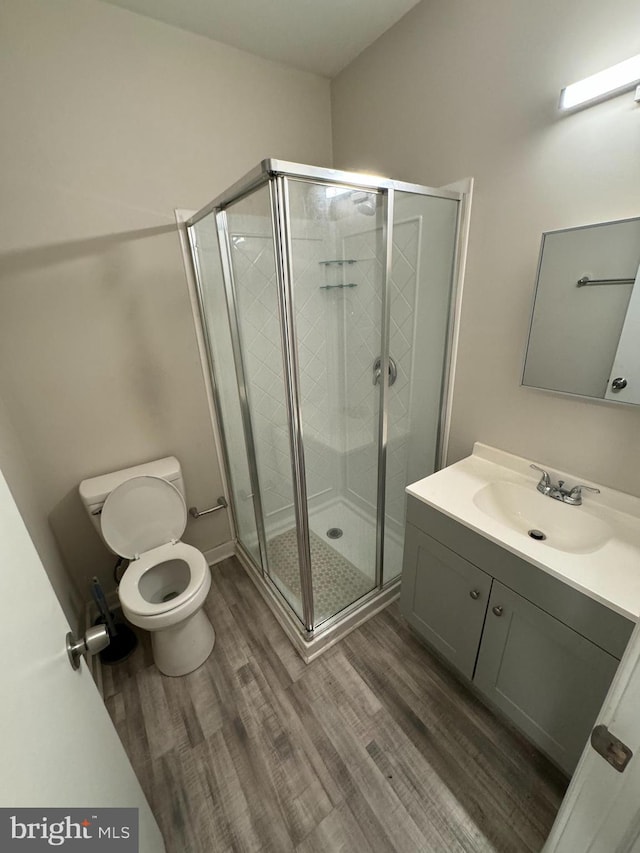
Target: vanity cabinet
point(446, 601)
point(538, 650)
point(545, 677)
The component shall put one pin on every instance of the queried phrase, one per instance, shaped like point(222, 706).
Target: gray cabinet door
point(444, 598)
point(548, 679)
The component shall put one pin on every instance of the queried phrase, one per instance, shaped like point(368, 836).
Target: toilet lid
point(143, 513)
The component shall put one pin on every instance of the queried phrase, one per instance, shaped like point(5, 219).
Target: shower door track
point(311, 644)
point(271, 168)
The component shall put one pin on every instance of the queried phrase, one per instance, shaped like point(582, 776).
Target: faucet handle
point(545, 479)
point(577, 490)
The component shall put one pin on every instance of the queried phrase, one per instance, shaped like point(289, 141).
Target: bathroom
point(118, 119)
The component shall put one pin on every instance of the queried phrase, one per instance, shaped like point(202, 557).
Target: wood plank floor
point(373, 747)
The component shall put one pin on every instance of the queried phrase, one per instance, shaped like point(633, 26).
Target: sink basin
point(523, 508)
point(595, 548)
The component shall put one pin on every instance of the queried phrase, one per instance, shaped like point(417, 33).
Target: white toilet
point(141, 514)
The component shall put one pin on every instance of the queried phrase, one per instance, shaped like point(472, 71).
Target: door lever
point(611, 748)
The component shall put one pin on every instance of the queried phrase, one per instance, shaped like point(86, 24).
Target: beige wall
point(460, 88)
point(21, 478)
point(110, 121)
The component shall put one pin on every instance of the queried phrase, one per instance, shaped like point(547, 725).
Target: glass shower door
point(206, 257)
point(423, 244)
point(327, 285)
point(336, 254)
point(253, 294)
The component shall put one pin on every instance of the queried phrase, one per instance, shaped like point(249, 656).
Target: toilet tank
point(95, 490)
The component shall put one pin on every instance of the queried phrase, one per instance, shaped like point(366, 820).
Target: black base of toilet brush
point(123, 643)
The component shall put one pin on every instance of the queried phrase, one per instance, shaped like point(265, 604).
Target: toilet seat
point(143, 519)
point(165, 586)
point(141, 514)
point(129, 590)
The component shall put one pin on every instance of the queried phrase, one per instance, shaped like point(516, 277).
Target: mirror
point(585, 327)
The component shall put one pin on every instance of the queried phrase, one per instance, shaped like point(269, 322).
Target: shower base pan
point(311, 644)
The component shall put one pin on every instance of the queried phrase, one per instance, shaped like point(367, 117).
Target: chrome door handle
point(95, 640)
point(475, 594)
point(498, 609)
point(377, 370)
point(619, 383)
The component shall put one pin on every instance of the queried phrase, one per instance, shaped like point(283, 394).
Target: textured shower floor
point(336, 582)
point(358, 544)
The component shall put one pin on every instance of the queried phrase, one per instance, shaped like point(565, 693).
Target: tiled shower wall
point(338, 333)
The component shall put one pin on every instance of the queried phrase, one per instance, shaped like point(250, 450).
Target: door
point(444, 598)
point(59, 748)
point(546, 677)
point(420, 277)
point(337, 282)
point(252, 292)
point(601, 810)
point(216, 324)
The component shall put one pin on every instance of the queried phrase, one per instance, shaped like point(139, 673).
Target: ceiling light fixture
point(605, 84)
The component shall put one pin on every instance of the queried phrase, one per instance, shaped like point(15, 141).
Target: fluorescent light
point(612, 81)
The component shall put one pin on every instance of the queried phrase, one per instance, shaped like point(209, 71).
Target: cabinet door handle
point(498, 609)
point(475, 594)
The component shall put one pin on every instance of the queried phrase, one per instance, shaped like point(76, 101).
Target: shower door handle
point(377, 370)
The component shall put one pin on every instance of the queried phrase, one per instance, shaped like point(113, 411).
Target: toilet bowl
point(163, 592)
point(165, 586)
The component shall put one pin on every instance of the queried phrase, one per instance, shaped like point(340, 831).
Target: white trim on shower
point(181, 217)
point(465, 188)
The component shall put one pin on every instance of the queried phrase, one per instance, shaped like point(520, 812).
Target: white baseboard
point(221, 552)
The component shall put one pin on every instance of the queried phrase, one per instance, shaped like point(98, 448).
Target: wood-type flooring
point(375, 746)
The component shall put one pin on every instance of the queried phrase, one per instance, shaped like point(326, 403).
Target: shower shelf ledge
point(336, 286)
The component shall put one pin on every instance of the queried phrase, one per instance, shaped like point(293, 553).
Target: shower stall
point(327, 305)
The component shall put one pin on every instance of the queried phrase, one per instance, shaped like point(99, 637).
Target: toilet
point(141, 514)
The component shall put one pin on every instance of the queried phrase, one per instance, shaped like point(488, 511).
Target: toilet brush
point(101, 604)
point(123, 640)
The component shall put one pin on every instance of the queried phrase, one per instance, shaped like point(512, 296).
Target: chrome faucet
point(573, 496)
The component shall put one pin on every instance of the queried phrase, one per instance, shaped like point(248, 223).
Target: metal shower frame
point(308, 638)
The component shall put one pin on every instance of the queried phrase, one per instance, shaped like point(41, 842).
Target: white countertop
point(609, 574)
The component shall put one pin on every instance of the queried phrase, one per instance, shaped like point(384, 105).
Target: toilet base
point(183, 647)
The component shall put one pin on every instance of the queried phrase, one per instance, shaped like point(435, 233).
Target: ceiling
point(321, 36)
